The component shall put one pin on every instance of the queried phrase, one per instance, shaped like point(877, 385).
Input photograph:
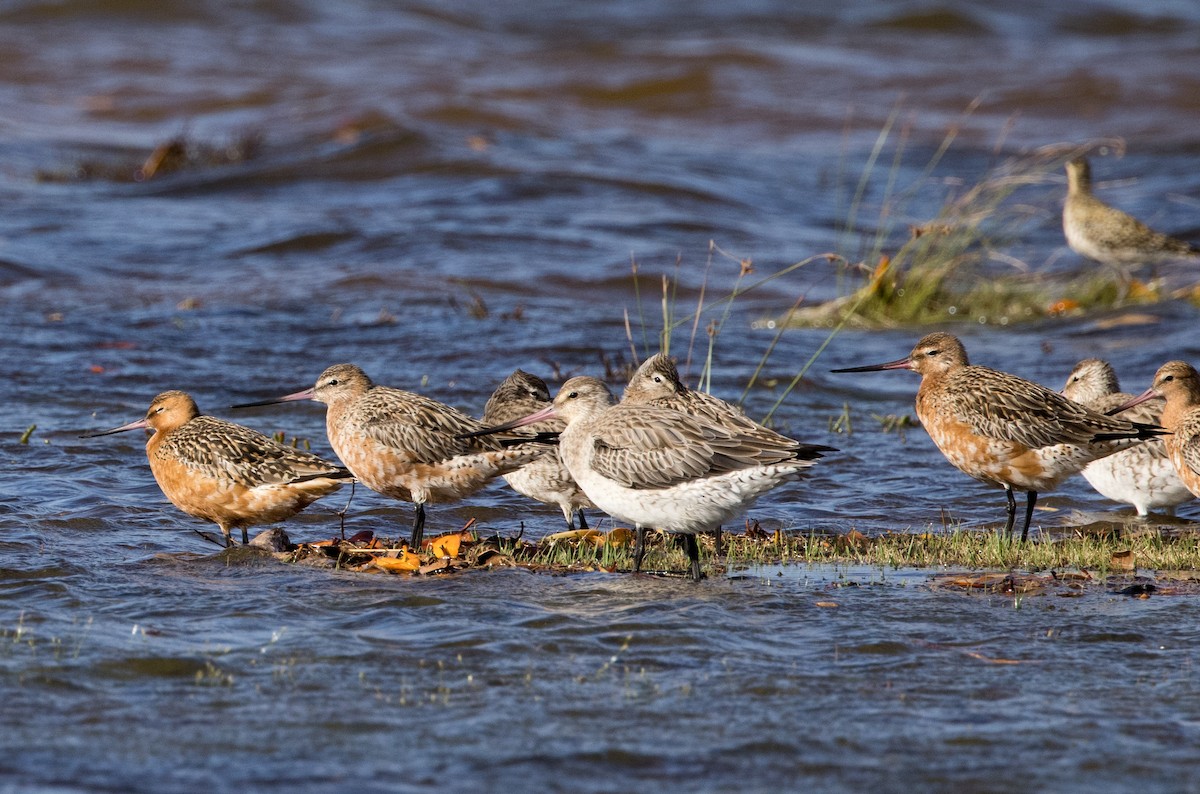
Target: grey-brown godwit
point(1106, 234)
point(1004, 430)
point(658, 467)
point(545, 479)
point(226, 473)
point(1143, 475)
point(657, 383)
point(405, 445)
point(1178, 383)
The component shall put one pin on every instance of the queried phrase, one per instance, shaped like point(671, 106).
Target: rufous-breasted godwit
point(545, 479)
point(658, 467)
point(1108, 235)
point(405, 445)
point(226, 473)
point(1178, 383)
point(1004, 430)
point(1143, 475)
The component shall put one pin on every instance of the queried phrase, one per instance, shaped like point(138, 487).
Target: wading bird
point(405, 445)
point(1004, 430)
point(226, 473)
point(545, 479)
point(1143, 475)
point(1178, 383)
point(658, 467)
point(1108, 235)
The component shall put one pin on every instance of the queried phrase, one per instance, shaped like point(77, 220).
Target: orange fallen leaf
point(406, 561)
point(1064, 306)
point(446, 545)
point(827, 603)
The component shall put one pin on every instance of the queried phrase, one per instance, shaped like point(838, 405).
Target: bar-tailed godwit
point(1178, 383)
point(226, 473)
point(657, 383)
point(1108, 235)
point(545, 479)
point(405, 445)
point(1004, 430)
point(1143, 475)
point(658, 467)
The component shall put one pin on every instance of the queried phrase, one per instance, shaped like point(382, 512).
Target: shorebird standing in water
point(404, 445)
point(545, 479)
point(657, 383)
point(1179, 384)
point(1004, 430)
point(658, 467)
point(1108, 235)
point(1143, 475)
point(226, 473)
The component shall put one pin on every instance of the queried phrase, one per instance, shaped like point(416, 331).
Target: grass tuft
point(945, 268)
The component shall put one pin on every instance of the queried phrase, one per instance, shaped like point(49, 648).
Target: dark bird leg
point(1012, 511)
point(582, 520)
point(210, 538)
point(245, 536)
point(693, 553)
point(1031, 501)
point(341, 514)
point(418, 528)
point(639, 549)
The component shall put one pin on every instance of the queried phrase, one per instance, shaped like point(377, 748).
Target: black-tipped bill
point(138, 425)
point(533, 418)
point(306, 394)
point(903, 363)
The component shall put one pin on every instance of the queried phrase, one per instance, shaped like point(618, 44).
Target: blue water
point(444, 195)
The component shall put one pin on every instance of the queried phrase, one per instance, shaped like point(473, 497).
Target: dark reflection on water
point(443, 195)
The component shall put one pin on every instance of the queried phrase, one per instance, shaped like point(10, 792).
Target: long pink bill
point(1148, 394)
point(903, 363)
point(138, 425)
point(533, 418)
point(306, 394)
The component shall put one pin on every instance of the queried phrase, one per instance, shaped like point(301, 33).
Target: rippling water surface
point(442, 195)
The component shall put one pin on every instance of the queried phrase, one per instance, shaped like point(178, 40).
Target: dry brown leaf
point(1124, 561)
point(434, 567)
point(827, 603)
point(1126, 320)
point(991, 659)
point(620, 536)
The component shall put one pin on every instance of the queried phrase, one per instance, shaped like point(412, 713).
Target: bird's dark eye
point(658, 378)
point(333, 382)
point(572, 395)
